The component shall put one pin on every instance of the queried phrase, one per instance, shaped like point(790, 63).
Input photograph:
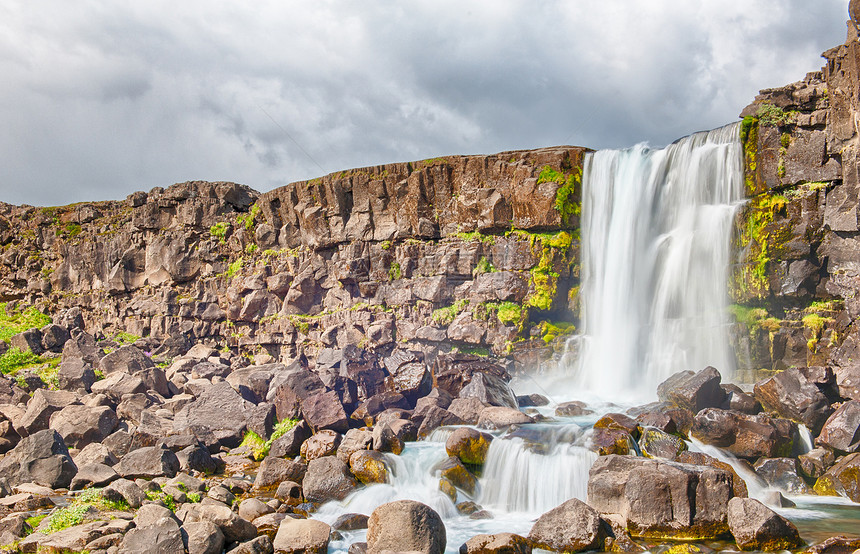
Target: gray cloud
point(103, 98)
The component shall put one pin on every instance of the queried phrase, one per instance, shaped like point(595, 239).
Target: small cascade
point(536, 472)
point(656, 233)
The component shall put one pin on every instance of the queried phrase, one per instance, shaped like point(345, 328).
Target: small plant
point(484, 266)
point(774, 116)
point(385, 245)
point(15, 359)
point(219, 231)
point(444, 316)
point(63, 518)
point(235, 267)
point(193, 497)
point(124, 339)
point(251, 248)
point(249, 220)
point(509, 313)
point(394, 272)
point(164, 498)
point(260, 447)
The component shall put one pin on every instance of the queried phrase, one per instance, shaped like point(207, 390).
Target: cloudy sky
point(101, 98)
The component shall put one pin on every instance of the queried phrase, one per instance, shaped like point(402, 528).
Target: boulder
point(739, 486)
point(221, 410)
point(572, 527)
point(836, 545)
point(39, 458)
point(816, 462)
point(500, 543)
point(612, 441)
point(693, 391)
point(783, 474)
point(654, 443)
point(147, 463)
point(408, 375)
point(350, 522)
point(790, 395)
point(757, 527)
point(203, 537)
point(252, 508)
point(841, 479)
point(469, 445)
point(574, 408)
point(82, 425)
point(93, 475)
point(327, 478)
point(619, 422)
point(467, 409)
point(405, 526)
point(302, 536)
point(41, 407)
point(274, 470)
point(162, 536)
point(28, 341)
point(490, 390)
point(841, 431)
point(235, 528)
point(498, 417)
point(54, 337)
point(260, 545)
point(369, 466)
point(117, 385)
point(661, 499)
point(123, 489)
point(324, 410)
point(434, 418)
point(353, 441)
point(452, 372)
point(368, 410)
point(74, 374)
point(323, 443)
point(453, 471)
point(290, 443)
point(385, 439)
point(744, 435)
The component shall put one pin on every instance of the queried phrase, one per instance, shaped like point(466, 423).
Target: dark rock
point(661, 499)
point(39, 458)
point(435, 418)
point(782, 473)
point(744, 435)
point(533, 400)
point(324, 443)
point(147, 463)
point(350, 522)
point(353, 441)
point(274, 471)
point(467, 409)
point(836, 545)
point(235, 528)
point(757, 527)
point(612, 441)
point(841, 431)
point(791, 396)
point(410, 378)
point(54, 337)
point(259, 545)
point(126, 359)
point(572, 527)
point(28, 341)
point(40, 408)
point(841, 479)
point(368, 466)
point(385, 439)
point(75, 375)
point(620, 422)
point(378, 403)
point(571, 409)
point(700, 459)
point(290, 443)
point(500, 543)
point(161, 536)
point(403, 526)
point(453, 470)
point(452, 372)
point(203, 537)
point(118, 385)
point(739, 401)
point(123, 489)
point(816, 462)
point(82, 425)
point(327, 479)
point(93, 475)
point(490, 390)
point(693, 391)
point(324, 411)
point(219, 409)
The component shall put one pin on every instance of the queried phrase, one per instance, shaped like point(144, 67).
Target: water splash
point(656, 244)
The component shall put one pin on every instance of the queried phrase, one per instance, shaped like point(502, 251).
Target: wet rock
point(305, 536)
point(701, 459)
point(791, 396)
point(274, 471)
point(744, 435)
point(693, 391)
point(620, 422)
point(452, 372)
point(469, 445)
point(408, 375)
point(841, 431)
point(836, 545)
point(661, 499)
point(572, 527)
point(385, 439)
point(368, 410)
point(434, 418)
point(654, 443)
point(39, 458)
point(572, 409)
point(350, 522)
point(757, 527)
point(612, 441)
point(500, 543)
point(816, 462)
point(490, 390)
point(467, 409)
point(453, 470)
point(782, 473)
point(368, 466)
point(498, 417)
point(327, 479)
point(404, 526)
point(353, 441)
point(82, 425)
point(841, 479)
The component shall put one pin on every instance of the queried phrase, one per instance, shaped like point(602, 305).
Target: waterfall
point(656, 231)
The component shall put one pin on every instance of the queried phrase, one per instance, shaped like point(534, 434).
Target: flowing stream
point(656, 229)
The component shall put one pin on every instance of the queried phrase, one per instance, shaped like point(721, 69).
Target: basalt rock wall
point(797, 277)
point(474, 252)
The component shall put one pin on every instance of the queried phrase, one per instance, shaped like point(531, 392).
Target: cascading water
point(656, 230)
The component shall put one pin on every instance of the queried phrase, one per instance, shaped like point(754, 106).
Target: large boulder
point(305, 536)
point(41, 458)
point(82, 425)
point(661, 499)
point(500, 543)
point(41, 407)
point(790, 395)
point(693, 391)
point(234, 527)
point(220, 409)
point(470, 445)
point(452, 372)
point(745, 436)
point(783, 474)
point(327, 478)
point(491, 390)
point(74, 374)
point(127, 359)
point(204, 537)
point(572, 527)
point(405, 526)
point(273, 471)
point(324, 410)
point(842, 479)
point(757, 527)
point(841, 431)
point(499, 417)
point(147, 463)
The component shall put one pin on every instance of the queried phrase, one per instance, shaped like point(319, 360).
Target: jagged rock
point(203, 537)
point(452, 470)
point(693, 391)
point(259, 545)
point(353, 441)
point(290, 443)
point(219, 409)
point(126, 359)
point(74, 375)
point(83, 425)
point(490, 390)
point(816, 462)
point(791, 396)
point(841, 431)
point(324, 443)
point(841, 479)
point(40, 408)
point(326, 479)
point(274, 471)
point(572, 527)
point(404, 526)
point(739, 401)
point(619, 422)
point(123, 489)
point(147, 463)
point(739, 486)
point(93, 475)
point(661, 499)
point(744, 435)
point(467, 409)
point(434, 418)
point(163, 535)
point(612, 441)
point(235, 528)
point(306, 536)
point(28, 341)
point(654, 443)
point(54, 337)
point(757, 527)
point(39, 458)
point(782, 473)
point(385, 439)
point(452, 372)
point(350, 522)
point(289, 492)
point(378, 403)
point(119, 384)
point(325, 411)
point(497, 417)
point(469, 445)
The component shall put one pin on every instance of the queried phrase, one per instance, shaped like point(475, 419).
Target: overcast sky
point(102, 98)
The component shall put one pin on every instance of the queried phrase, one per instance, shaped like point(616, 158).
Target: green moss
point(251, 249)
point(551, 331)
point(94, 497)
point(774, 116)
point(510, 313)
point(125, 338)
point(259, 446)
point(163, 497)
point(476, 236)
point(484, 266)
point(763, 241)
point(386, 244)
point(193, 497)
point(749, 139)
point(394, 272)
point(565, 198)
point(219, 231)
point(235, 267)
point(444, 316)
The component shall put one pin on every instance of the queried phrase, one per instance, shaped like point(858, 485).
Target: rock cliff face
point(797, 276)
point(474, 252)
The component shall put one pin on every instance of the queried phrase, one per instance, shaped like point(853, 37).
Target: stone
point(353, 441)
point(268, 524)
point(39, 458)
point(28, 341)
point(54, 337)
point(74, 374)
point(162, 536)
point(377, 404)
point(368, 466)
point(497, 417)
point(693, 391)
point(40, 408)
point(235, 528)
point(739, 486)
point(259, 545)
point(571, 527)
point(499, 543)
point(204, 537)
point(126, 359)
point(324, 410)
point(757, 527)
point(123, 489)
point(620, 422)
point(147, 463)
point(467, 409)
point(782, 473)
point(289, 444)
point(323, 443)
point(840, 544)
point(452, 470)
point(405, 526)
point(93, 475)
point(612, 441)
point(82, 425)
point(841, 431)
point(327, 478)
point(350, 522)
point(434, 418)
point(570, 409)
point(221, 410)
point(305, 536)
point(791, 396)
point(385, 439)
point(745, 435)
point(654, 443)
point(411, 378)
point(816, 462)
point(490, 390)
point(841, 479)
point(469, 445)
point(274, 470)
point(661, 499)
point(117, 385)
point(289, 492)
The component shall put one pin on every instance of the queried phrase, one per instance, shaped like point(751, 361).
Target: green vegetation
point(193, 497)
point(163, 497)
point(249, 220)
point(234, 268)
point(124, 338)
point(15, 359)
point(749, 138)
point(70, 230)
point(550, 331)
point(386, 244)
point(260, 447)
point(565, 198)
point(476, 236)
point(510, 313)
point(394, 272)
point(251, 248)
point(444, 316)
point(14, 321)
point(219, 231)
point(763, 240)
point(484, 266)
point(774, 116)
point(76, 512)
